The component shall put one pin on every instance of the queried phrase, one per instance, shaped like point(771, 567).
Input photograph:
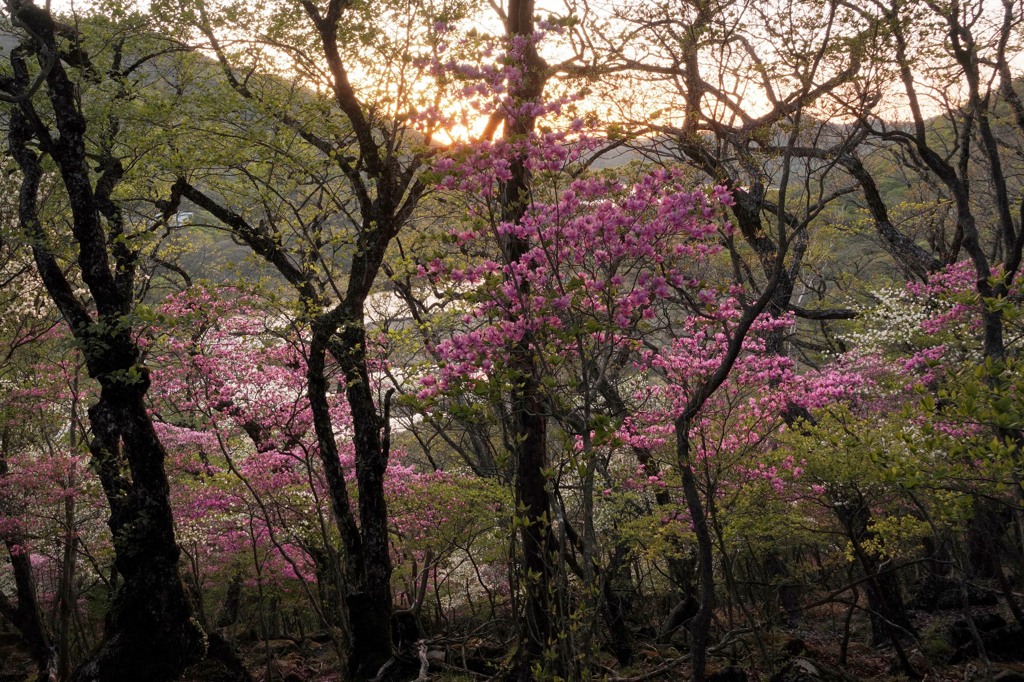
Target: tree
point(352, 182)
point(973, 49)
point(150, 629)
point(607, 270)
point(976, 51)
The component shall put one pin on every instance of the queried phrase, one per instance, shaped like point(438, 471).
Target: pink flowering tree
point(612, 282)
point(904, 454)
point(251, 494)
point(231, 405)
point(51, 512)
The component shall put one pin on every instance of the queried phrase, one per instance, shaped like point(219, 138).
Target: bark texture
point(150, 632)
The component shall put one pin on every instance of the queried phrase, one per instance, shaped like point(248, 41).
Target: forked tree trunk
point(889, 619)
point(150, 633)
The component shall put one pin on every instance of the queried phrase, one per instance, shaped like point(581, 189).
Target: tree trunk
point(26, 615)
point(529, 429)
point(700, 626)
point(526, 402)
point(889, 619)
point(371, 620)
point(615, 585)
point(150, 632)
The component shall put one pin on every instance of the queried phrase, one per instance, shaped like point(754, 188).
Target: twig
point(653, 673)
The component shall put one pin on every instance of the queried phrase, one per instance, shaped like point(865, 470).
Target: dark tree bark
point(700, 625)
point(381, 176)
point(24, 614)
point(988, 524)
point(150, 632)
point(528, 432)
point(889, 619)
point(616, 584)
point(911, 258)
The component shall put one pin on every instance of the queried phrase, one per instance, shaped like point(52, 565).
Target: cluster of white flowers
point(29, 308)
point(903, 449)
point(892, 322)
point(191, 534)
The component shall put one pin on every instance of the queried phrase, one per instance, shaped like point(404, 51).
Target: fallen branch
point(653, 673)
point(421, 649)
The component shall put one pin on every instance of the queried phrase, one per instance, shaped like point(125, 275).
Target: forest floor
point(944, 650)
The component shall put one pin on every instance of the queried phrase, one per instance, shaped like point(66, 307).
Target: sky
point(893, 107)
